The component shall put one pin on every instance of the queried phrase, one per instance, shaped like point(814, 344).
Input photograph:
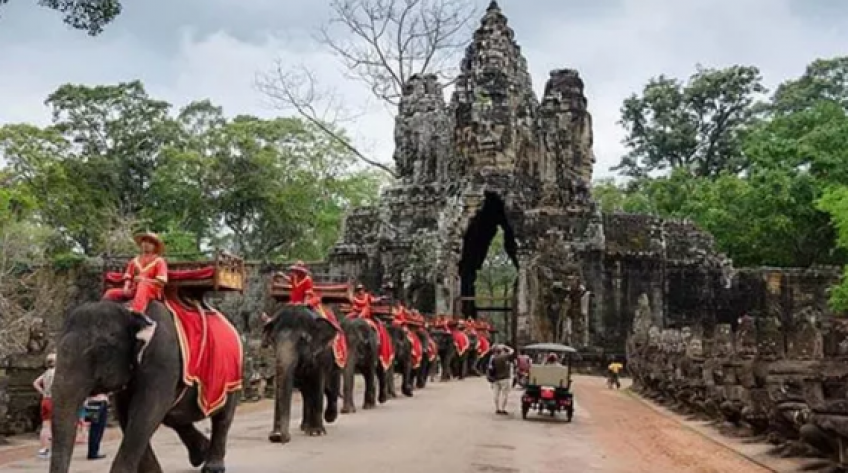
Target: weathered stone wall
point(773, 363)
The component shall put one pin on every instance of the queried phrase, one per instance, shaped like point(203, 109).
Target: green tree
point(699, 125)
point(91, 16)
point(835, 202)
point(823, 80)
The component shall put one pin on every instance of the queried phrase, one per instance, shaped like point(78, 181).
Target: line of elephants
point(96, 353)
point(782, 380)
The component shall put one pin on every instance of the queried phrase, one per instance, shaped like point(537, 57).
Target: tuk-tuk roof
point(552, 347)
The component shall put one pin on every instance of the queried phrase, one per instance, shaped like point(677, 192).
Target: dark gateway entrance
point(476, 243)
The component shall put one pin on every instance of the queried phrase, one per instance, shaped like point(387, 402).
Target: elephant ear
point(323, 334)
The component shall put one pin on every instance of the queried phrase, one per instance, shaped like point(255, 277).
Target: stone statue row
point(784, 381)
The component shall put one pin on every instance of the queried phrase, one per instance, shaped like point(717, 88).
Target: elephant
point(472, 356)
point(402, 363)
point(302, 342)
point(453, 364)
point(363, 344)
point(422, 373)
point(96, 354)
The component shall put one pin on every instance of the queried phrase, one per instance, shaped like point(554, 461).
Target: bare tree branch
point(381, 43)
point(385, 42)
point(297, 89)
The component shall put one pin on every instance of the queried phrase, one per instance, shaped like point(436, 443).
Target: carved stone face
point(746, 337)
point(723, 340)
point(770, 344)
point(654, 337)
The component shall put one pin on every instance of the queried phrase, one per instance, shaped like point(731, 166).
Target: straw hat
point(299, 267)
point(159, 245)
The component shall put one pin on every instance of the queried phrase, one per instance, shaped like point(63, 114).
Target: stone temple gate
point(496, 156)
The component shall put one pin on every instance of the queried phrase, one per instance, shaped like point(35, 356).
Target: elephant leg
point(195, 442)
point(282, 408)
point(307, 409)
point(421, 374)
point(348, 403)
point(446, 368)
point(149, 463)
point(313, 397)
point(406, 380)
point(370, 398)
point(145, 412)
point(390, 382)
point(221, 423)
point(382, 381)
point(331, 413)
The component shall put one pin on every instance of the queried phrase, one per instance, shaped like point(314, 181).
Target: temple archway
point(476, 243)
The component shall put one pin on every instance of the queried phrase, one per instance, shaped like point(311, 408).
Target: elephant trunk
point(287, 359)
point(70, 388)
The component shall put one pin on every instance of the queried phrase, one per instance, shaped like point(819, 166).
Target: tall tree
point(382, 43)
point(91, 16)
point(698, 125)
point(823, 80)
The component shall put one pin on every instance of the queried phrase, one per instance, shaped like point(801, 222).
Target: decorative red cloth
point(460, 339)
point(417, 348)
point(387, 350)
point(300, 288)
point(483, 345)
point(361, 304)
point(340, 342)
point(432, 348)
point(212, 353)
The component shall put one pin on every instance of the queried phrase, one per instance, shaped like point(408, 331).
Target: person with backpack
point(498, 375)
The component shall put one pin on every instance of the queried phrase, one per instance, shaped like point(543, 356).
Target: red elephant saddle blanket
point(212, 353)
point(483, 345)
point(340, 342)
point(417, 348)
point(387, 349)
point(460, 340)
point(432, 349)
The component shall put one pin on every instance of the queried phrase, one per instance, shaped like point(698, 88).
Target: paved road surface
point(450, 428)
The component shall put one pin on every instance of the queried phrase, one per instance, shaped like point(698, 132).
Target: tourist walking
point(44, 385)
point(499, 376)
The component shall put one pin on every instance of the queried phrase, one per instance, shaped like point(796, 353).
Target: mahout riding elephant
point(96, 354)
point(363, 343)
point(422, 373)
point(402, 363)
point(304, 360)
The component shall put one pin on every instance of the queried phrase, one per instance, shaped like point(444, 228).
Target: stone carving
point(784, 382)
point(37, 343)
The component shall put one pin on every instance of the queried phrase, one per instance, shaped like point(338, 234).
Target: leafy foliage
point(698, 126)
point(115, 161)
point(772, 163)
point(90, 16)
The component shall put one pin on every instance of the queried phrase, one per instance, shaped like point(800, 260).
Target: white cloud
point(217, 55)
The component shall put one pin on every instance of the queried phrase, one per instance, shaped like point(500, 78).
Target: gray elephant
point(302, 342)
point(428, 358)
point(363, 344)
point(96, 354)
point(402, 363)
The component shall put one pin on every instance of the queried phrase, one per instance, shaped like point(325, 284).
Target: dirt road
point(450, 428)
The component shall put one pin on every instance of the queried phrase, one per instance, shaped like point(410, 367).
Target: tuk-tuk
point(548, 386)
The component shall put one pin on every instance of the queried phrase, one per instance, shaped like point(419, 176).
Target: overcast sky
point(185, 50)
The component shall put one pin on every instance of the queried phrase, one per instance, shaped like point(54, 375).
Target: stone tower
point(497, 157)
